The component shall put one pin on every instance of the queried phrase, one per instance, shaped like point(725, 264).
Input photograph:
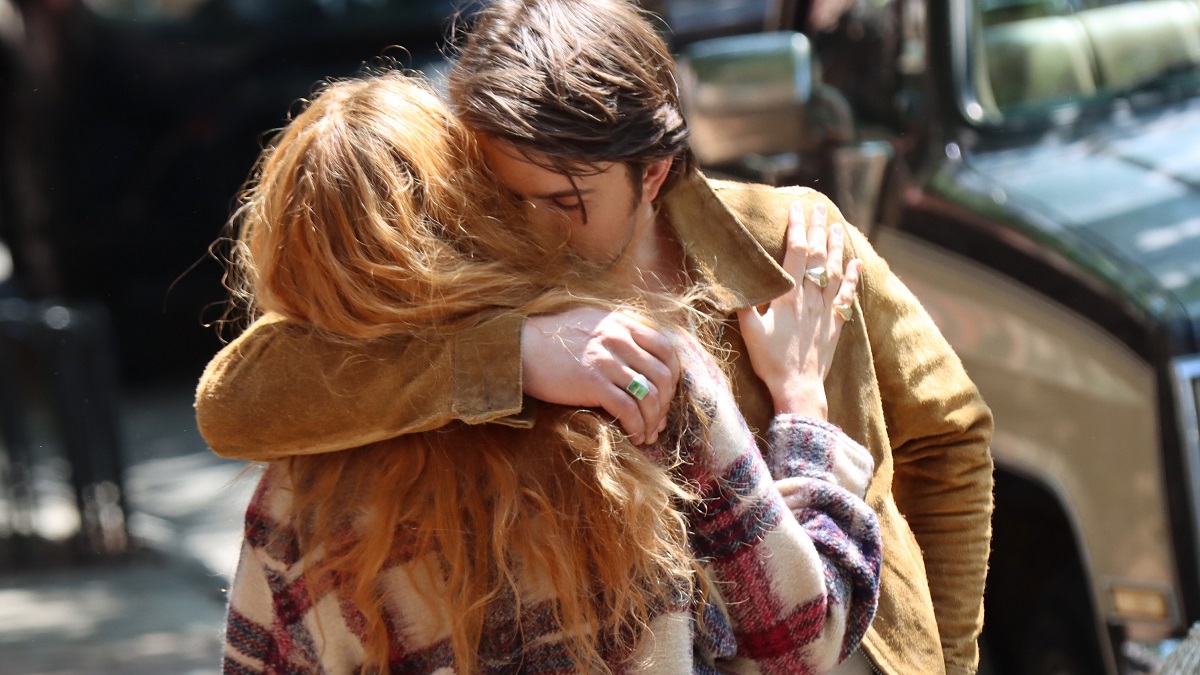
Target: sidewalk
point(160, 609)
point(141, 617)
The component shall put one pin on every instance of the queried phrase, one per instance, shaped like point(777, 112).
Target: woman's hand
point(791, 343)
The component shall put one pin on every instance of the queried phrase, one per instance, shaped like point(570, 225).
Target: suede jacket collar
point(720, 246)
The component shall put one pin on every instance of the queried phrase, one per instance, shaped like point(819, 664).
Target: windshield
point(1031, 57)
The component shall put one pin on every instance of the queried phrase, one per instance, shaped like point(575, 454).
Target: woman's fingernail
point(798, 209)
point(819, 209)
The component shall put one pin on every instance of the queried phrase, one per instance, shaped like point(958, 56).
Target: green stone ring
point(818, 275)
point(639, 387)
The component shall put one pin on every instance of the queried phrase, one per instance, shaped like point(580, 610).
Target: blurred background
point(1030, 168)
point(128, 128)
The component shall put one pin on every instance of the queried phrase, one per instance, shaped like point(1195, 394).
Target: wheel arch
point(1037, 555)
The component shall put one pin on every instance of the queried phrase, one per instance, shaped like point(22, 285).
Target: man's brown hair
point(573, 84)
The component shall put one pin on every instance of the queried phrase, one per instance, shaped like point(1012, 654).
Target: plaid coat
point(795, 561)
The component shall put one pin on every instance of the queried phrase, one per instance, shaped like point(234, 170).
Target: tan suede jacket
point(895, 386)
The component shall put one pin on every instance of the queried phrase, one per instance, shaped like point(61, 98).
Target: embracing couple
point(536, 396)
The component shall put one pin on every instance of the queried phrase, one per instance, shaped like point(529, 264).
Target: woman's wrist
point(807, 400)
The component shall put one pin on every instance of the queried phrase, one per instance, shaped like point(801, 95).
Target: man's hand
point(586, 357)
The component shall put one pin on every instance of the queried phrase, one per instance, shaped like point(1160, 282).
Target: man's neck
point(655, 260)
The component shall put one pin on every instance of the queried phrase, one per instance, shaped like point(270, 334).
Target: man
point(575, 107)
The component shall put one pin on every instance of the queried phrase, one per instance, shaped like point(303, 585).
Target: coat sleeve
point(940, 431)
point(285, 389)
point(795, 560)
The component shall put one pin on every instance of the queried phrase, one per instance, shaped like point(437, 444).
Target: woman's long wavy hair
point(369, 215)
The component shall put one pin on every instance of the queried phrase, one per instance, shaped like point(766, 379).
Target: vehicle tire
point(1055, 659)
point(987, 663)
point(1060, 639)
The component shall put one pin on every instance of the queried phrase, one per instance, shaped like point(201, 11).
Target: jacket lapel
point(720, 247)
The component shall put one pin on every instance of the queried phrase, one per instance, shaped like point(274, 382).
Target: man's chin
point(593, 269)
point(601, 260)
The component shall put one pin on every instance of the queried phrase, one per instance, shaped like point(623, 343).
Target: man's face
point(615, 212)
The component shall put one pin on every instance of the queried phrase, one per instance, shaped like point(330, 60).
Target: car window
point(1032, 56)
point(705, 18)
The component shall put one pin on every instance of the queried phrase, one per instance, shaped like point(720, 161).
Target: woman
point(557, 548)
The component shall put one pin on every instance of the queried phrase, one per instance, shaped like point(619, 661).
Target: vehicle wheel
point(1059, 640)
point(1055, 660)
point(987, 663)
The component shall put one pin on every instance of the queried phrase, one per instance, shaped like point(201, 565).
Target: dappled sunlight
point(27, 613)
point(193, 503)
point(1158, 238)
point(142, 617)
point(158, 610)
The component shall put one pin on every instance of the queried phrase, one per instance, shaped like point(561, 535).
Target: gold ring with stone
point(818, 275)
point(845, 311)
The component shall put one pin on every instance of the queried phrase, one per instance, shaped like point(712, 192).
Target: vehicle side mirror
point(746, 95)
point(758, 109)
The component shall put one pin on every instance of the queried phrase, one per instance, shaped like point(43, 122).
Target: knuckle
point(656, 344)
point(651, 402)
point(630, 416)
point(603, 335)
point(589, 362)
point(660, 374)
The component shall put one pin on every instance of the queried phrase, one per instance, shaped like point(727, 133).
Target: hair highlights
point(370, 215)
point(488, 520)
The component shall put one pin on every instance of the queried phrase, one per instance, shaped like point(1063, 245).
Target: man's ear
point(653, 177)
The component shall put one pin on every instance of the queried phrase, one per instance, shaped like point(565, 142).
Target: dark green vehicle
point(1031, 169)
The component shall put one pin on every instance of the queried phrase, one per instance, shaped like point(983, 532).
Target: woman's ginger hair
point(367, 216)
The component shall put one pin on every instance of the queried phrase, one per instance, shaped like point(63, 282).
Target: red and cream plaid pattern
point(796, 562)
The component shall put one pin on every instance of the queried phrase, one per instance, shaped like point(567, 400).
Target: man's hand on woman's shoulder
point(588, 357)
